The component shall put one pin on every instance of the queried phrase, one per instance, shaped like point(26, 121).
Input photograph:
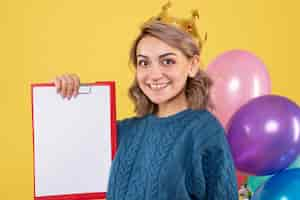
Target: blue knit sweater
point(180, 157)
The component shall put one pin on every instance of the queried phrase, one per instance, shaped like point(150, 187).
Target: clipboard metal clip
point(85, 89)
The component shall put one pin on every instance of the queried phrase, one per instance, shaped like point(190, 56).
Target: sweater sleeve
point(119, 125)
point(123, 126)
point(212, 159)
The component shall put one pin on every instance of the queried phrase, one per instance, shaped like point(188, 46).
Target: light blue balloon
point(255, 181)
point(282, 186)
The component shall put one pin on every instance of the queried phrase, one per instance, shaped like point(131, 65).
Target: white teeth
point(158, 86)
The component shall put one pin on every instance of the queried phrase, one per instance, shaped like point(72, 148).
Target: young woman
point(174, 149)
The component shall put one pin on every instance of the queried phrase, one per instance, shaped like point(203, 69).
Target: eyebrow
point(161, 56)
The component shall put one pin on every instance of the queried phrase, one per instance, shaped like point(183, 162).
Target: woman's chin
point(158, 101)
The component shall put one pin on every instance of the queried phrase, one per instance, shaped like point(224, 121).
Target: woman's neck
point(171, 108)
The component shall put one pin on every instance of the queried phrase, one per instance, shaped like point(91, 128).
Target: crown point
point(167, 5)
point(195, 14)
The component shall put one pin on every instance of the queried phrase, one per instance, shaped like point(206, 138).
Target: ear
point(194, 66)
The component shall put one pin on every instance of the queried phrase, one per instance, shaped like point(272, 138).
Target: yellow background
point(40, 39)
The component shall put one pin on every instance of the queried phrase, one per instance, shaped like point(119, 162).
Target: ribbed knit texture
point(180, 157)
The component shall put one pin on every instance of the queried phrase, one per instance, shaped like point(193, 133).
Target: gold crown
point(187, 25)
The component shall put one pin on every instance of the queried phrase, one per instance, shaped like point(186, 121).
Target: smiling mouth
point(158, 87)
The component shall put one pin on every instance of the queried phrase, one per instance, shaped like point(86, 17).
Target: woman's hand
point(67, 85)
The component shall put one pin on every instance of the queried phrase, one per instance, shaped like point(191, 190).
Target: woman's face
point(162, 71)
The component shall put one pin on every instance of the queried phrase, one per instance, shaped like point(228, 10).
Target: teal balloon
point(282, 186)
point(295, 164)
point(255, 181)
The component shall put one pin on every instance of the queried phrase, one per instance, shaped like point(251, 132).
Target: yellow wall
point(43, 38)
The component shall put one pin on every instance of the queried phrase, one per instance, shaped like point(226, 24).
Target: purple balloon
point(264, 135)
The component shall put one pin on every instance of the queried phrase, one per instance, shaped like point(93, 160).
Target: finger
point(70, 86)
point(76, 84)
point(64, 86)
point(57, 83)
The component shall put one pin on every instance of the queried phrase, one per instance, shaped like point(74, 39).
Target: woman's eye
point(142, 63)
point(168, 61)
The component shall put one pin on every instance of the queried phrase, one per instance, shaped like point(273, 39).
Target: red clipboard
point(50, 147)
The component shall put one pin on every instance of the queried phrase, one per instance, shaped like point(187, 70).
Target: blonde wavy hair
point(197, 88)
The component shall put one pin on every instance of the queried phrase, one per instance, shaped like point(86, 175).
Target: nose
point(155, 73)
